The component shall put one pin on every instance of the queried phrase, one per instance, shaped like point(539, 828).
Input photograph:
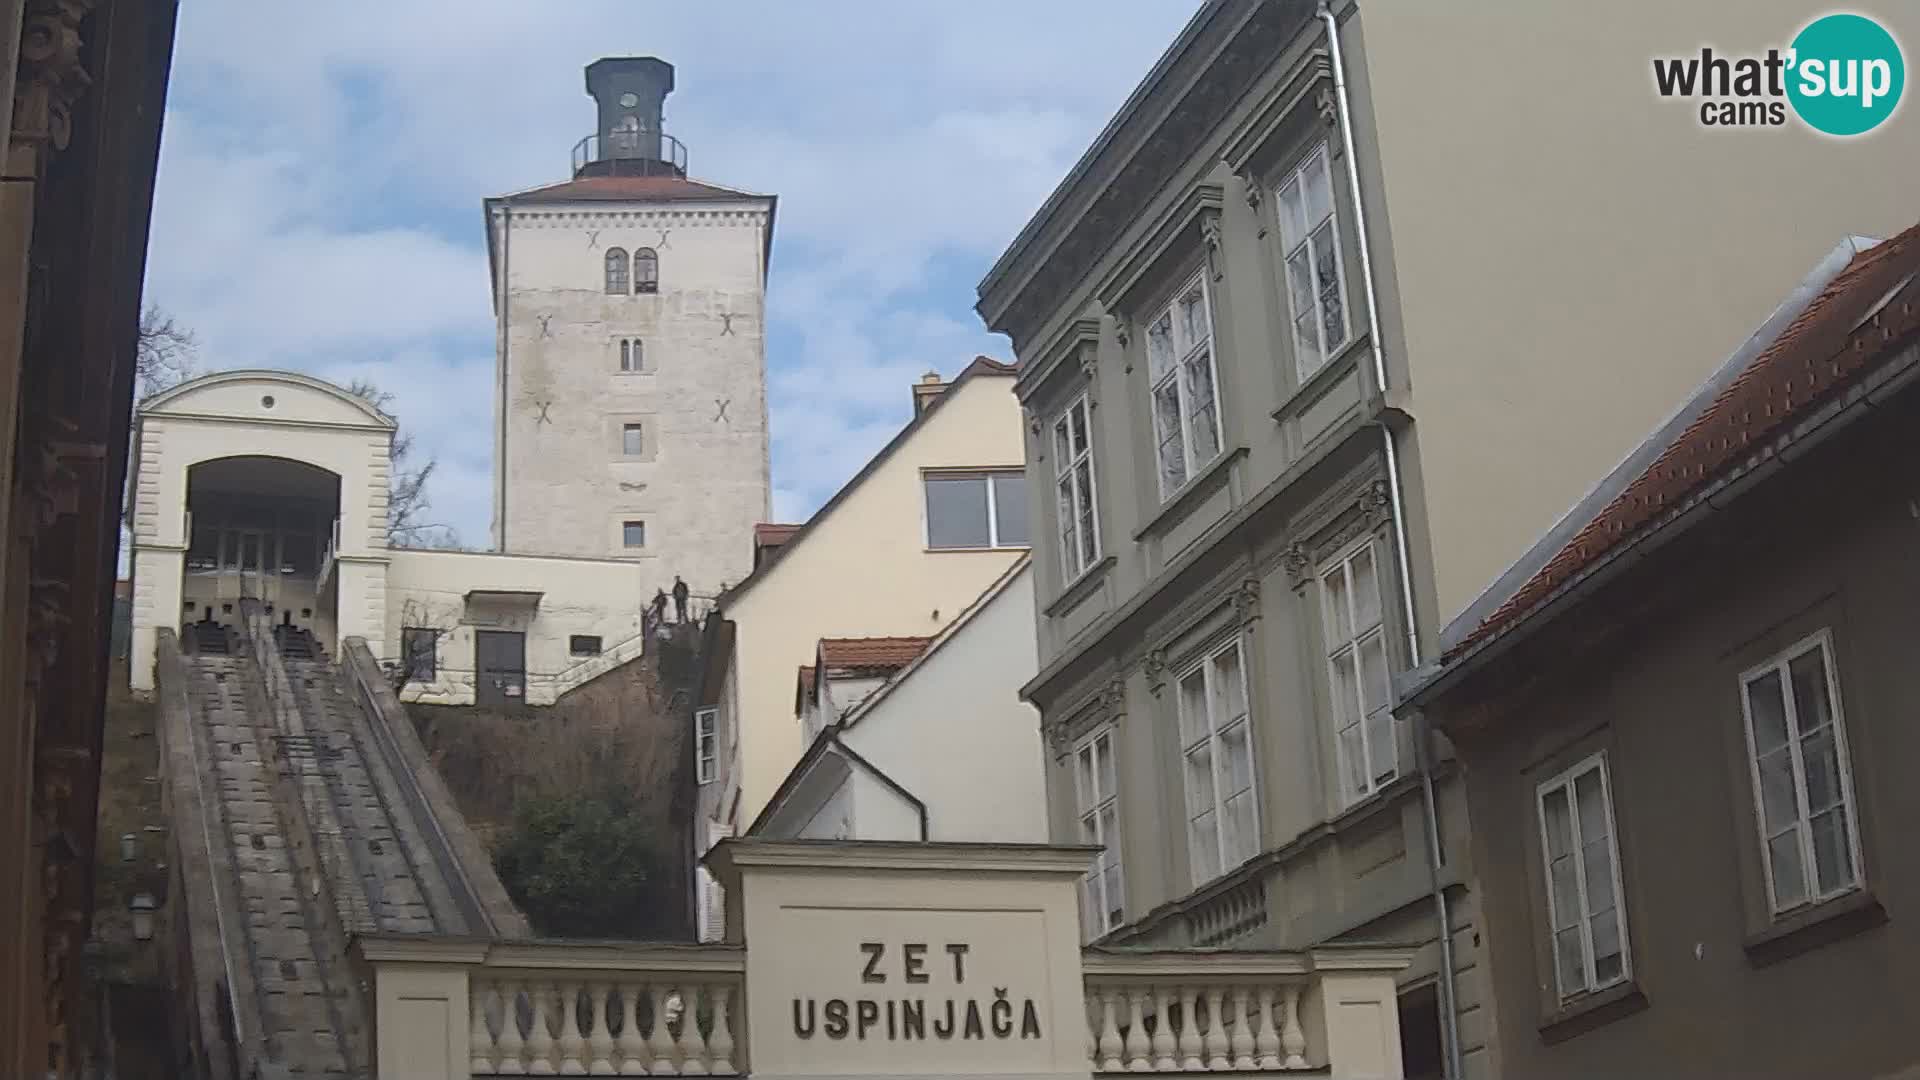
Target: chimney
point(630, 93)
point(926, 390)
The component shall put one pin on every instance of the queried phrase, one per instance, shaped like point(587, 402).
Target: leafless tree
point(165, 353)
point(407, 500)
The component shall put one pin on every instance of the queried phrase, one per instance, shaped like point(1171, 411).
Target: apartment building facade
point(1276, 329)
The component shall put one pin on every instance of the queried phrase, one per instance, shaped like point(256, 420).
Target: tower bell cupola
point(630, 93)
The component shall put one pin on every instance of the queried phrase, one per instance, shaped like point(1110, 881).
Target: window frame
point(1342, 561)
point(576, 641)
point(1103, 920)
point(987, 475)
point(1203, 663)
point(1564, 780)
point(638, 446)
point(1192, 466)
point(646, 284)
point(706, 744)
point(432, 654)
point(614, 270)
point(1296, 175)
point(625, 542)
point(632, 355)
point(1073, 566)
point(1780, 663)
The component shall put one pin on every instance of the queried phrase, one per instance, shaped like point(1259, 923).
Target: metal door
point(500, 666)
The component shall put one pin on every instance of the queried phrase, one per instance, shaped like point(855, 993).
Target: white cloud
point(323, 166)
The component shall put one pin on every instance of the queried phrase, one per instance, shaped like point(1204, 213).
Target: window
point(1186, 413)
point(1316, 289)
point(704, 723)
point(633, 534)
point(976, 510)
point(630, 440)
point(1073, 480)
point(1102, 891)
point(1803, 785)
point(1216, 741)
point(1357, 663)
point(417, 651)
point(1583, 879)
point(584, 645)
point(646, 271)
point(616, 272)
point(630, 354)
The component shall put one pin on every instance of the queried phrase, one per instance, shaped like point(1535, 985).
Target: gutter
point(1847, 409)
point(1422, 733)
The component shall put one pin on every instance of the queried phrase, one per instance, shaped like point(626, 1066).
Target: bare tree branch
point(407, 500)
point(164, 354)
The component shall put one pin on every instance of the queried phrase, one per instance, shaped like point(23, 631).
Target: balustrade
point(603, 1024)
point(1195, 1011)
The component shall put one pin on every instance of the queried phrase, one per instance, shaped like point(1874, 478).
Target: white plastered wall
point(264, 414)
point(603, 598)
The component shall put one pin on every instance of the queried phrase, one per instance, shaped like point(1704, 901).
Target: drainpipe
point(1423, 757)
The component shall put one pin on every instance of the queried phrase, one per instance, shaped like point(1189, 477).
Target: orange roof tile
point(1817, 354)
point(872, 652)
point(767, 534)
point(628, 188)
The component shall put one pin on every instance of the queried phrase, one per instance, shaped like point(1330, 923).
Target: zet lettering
point(905, 1019)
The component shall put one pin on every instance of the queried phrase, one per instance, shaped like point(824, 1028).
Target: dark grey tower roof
point(630, 93)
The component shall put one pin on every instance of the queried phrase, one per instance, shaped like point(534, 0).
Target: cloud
point(323, 165)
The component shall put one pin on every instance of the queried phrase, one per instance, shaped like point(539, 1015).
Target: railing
point(630, 152)
point(1236, 913)
point(1196, 1011)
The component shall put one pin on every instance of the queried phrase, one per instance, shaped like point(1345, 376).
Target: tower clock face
point(628, 101)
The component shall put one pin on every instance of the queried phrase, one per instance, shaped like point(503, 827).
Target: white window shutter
point(713, 898)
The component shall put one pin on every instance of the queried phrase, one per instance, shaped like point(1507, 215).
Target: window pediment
point(1182, 230)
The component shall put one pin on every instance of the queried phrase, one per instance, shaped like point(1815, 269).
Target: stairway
point(297, 643)
point(208, 638)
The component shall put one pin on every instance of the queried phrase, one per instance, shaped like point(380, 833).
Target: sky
point(322, 168)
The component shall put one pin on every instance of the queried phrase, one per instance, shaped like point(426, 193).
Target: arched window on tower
point(646, 271)
point(616, 272)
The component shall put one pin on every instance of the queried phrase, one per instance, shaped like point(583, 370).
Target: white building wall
point(600, 597)
point(955, 733)
point(702, 480)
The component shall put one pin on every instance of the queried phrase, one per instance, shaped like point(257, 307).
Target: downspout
point(1423, 757)
point(500, 468)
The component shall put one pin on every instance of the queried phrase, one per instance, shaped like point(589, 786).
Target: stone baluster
point(659, 1037)
point(1137, 1046)
point(1190, 1046)
point(1109, 1034)
point(1163, 1043)
point(721, 1043)
point(600, 1046)
point(1217, 1060)
point(513, 1053)
point(1266, 1041)
point(693, 1048)
point(479, 1039)
point(1242, 1030)
point(572, 1046)
point(1293, 1041)
point(633, 1045)
point(540, 1038)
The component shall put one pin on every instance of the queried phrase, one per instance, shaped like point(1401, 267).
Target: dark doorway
point(1420, 1053)
point(500, 666)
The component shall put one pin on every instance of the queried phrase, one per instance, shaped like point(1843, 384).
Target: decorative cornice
point(1210, 236)
point(1246, 601)
point(1080, 336)
point(1179, 227)
point(51, 77)
point(1154, 665)
point(1375, 504)
point(1298, 563)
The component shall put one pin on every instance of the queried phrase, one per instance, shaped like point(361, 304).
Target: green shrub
point(585, 865)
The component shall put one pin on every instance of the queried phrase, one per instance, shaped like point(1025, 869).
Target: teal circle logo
point(1846, 74)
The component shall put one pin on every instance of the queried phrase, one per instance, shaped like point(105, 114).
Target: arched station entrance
point(265, 528)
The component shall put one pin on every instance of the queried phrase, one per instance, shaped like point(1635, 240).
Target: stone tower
point(630, 401)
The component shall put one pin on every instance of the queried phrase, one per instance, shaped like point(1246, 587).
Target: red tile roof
point(629, 189)
point(806, 678)
point(1818, 352)
point(766, 534)
point(871, 653)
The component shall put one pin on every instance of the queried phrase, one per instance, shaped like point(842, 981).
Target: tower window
point(646, 271)
point(616, 272)
point(630, 440)
point(630, 354)
point(633, 534)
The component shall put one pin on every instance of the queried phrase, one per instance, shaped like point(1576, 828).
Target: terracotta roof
point(629, 189)
point(872, 652)
point(1818, 352)
point(770, 535)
